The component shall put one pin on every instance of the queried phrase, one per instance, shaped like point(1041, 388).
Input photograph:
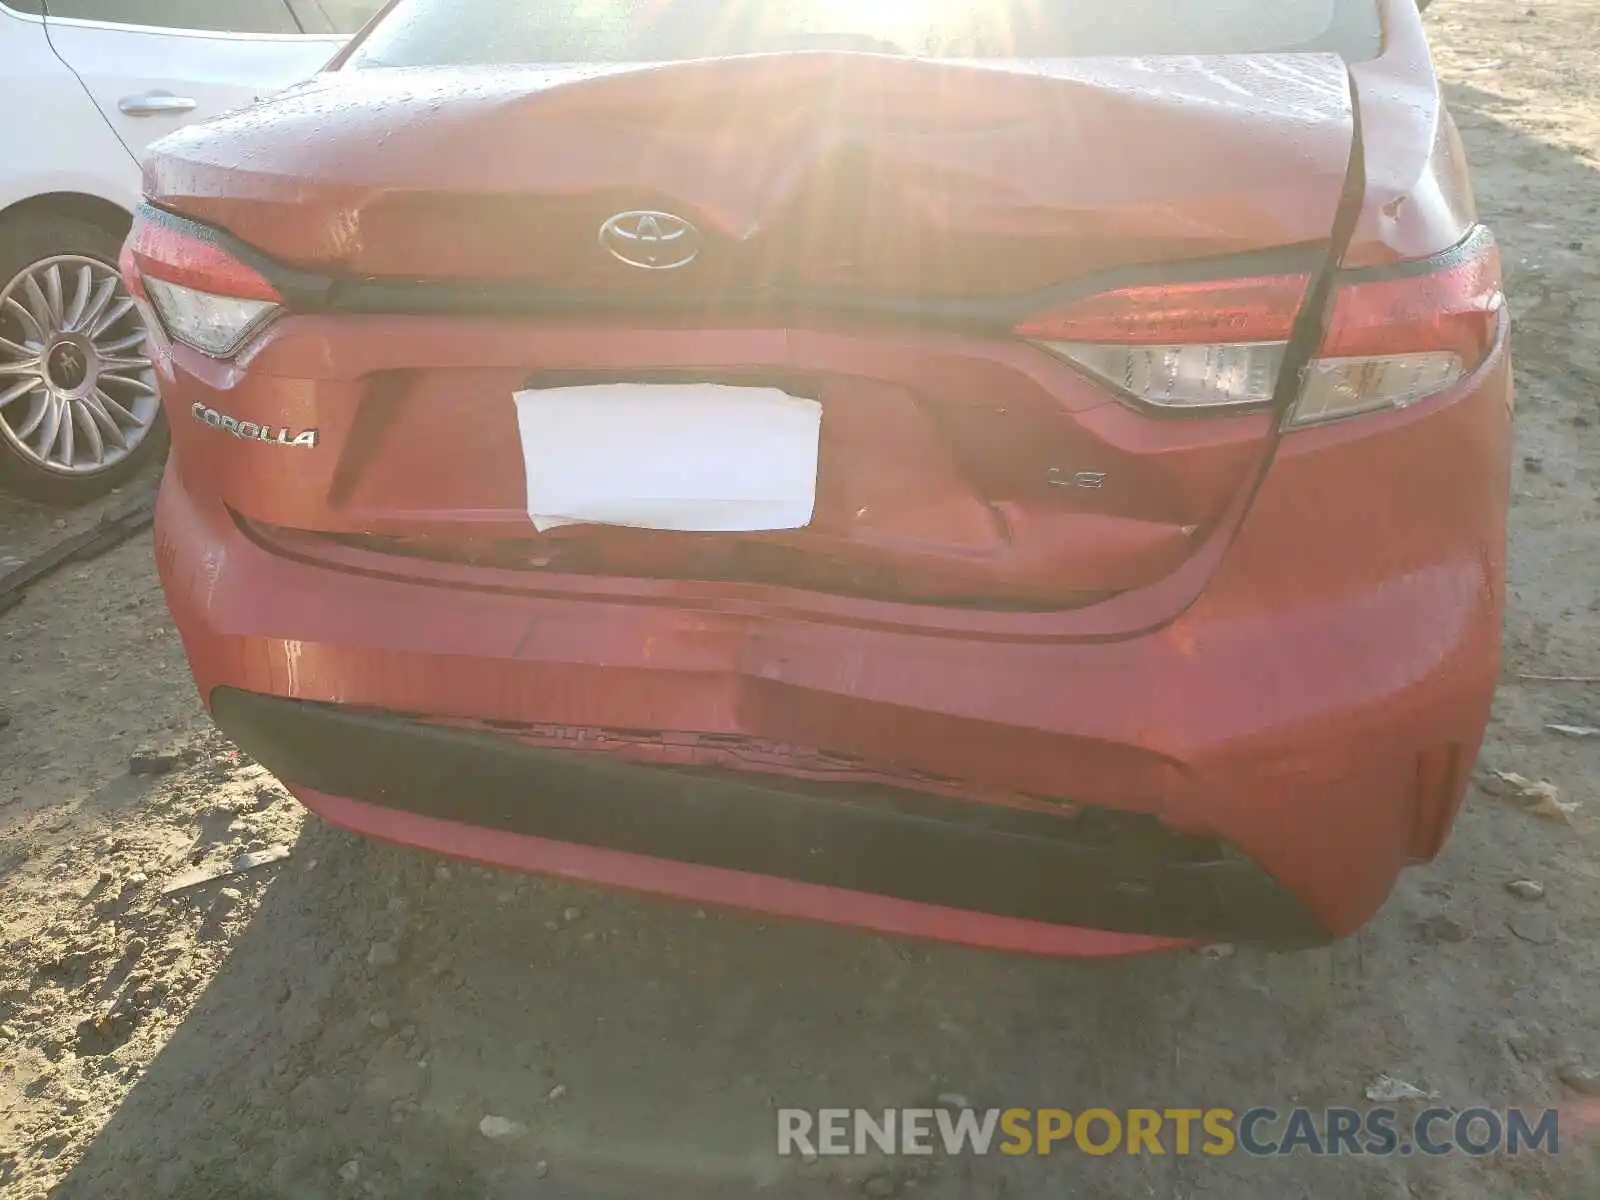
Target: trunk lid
point(871, 230)
point(854, 171)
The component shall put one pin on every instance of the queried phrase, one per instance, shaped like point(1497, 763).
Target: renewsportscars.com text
point(1260, 1132)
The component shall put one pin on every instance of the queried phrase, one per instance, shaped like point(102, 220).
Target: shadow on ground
point(644, 1048)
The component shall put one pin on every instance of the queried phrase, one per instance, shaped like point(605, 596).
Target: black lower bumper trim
point(1092, 868)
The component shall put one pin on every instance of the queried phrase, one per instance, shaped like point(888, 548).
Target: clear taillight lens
point(1220, 346)
point(1182, 377)
point(1345, 387)
point(219, 325)
point(202, 296)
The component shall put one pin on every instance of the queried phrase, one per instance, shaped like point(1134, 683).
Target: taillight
point(1393, 341)
point(1220, 346)
point(202, 295)
point(1183, 347)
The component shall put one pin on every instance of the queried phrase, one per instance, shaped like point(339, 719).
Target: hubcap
point(77, 392)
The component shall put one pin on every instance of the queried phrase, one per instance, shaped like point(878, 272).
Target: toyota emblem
point(651, 241)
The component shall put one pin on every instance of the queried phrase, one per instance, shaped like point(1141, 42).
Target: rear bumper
point(1028, 866)
point(1317, 709)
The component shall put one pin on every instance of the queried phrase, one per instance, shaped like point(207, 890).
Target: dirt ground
point(338, 1024)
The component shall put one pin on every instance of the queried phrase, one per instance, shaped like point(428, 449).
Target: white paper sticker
point(696, 457)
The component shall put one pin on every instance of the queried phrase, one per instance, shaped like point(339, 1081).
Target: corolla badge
point(250, 431)
point(652, 241)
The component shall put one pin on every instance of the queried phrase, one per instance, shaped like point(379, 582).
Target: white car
point(86, 85)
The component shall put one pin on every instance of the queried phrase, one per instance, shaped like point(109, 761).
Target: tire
point(85, 367)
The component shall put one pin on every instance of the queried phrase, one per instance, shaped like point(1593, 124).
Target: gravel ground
point(340, 1022)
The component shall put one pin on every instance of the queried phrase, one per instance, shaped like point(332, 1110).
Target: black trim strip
point(1478, 241)
point(1000, 313)
point(1312, 322)
point(302, 291)
point(309, 292)
point(1088, 867)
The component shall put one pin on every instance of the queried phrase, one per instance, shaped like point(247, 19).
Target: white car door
point(154, 65)
point(52, 139)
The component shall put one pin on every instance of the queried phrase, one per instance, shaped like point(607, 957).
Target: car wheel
point(79, 408)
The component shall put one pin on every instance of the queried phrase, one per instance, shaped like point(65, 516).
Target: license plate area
point(686, 456)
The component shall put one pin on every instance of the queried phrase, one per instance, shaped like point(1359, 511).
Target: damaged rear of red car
point(1034, 486)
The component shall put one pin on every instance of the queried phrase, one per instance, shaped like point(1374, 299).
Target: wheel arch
point(95, 210)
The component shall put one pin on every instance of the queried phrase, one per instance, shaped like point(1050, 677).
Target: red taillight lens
point(203, 296)
point(1213, 310)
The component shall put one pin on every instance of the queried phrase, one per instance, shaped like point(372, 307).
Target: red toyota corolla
point(1029, 474)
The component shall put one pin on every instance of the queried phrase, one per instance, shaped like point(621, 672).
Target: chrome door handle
point(153, 103)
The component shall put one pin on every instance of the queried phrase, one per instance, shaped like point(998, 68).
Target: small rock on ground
point(1582, 1079)
point(1526, 889)
point(494, 1128)
point(1440, 928)
point(148, 762)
